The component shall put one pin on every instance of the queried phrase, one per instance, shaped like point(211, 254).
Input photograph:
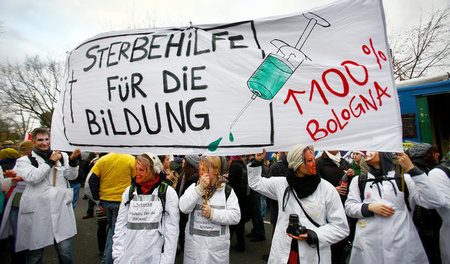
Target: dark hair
point(429, 156)
point(189, 170)
point(39, 130)
point(162, 158)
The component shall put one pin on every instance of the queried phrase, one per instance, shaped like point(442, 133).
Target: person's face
point(309, 165)
point(166, 162)
point(144, 174)
point(357, 156)
point(202, 169)
point(205, 168)
point(436, 157)
point(42, 141)
point(372, 158)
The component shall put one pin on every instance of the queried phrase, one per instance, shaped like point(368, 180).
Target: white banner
point(321, 77)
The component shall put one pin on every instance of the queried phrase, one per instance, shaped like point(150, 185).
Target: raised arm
point(420, 188)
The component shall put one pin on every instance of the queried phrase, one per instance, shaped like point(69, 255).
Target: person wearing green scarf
point(303, 193)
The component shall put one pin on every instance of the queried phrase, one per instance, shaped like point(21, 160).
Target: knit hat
point(157, 165)
point(295, 156)
point(9, 153)
point(193, 159)
point(419, 150)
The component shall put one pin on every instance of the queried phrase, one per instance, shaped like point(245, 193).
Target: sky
point(50, 28)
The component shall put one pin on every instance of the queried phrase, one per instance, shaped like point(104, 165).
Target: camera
point(295, 228)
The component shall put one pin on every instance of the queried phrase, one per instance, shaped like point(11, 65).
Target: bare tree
point(423, 48)
point(31, 89)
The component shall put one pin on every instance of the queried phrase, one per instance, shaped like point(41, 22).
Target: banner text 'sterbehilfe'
point(321, 77)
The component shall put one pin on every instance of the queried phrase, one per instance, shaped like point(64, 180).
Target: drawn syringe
point(277, 68)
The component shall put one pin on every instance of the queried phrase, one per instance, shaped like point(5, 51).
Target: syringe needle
point(243, 110)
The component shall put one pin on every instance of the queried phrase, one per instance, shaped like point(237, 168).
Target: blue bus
point(425, 109)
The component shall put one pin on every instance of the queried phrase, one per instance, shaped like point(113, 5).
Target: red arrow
point(291, 93)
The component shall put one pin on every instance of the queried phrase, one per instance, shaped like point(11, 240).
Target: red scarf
point(147, 186)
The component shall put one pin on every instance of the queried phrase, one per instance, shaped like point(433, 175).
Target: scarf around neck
point(45, 154)
point(146, 187)
point(210, 190)
point(303, 186)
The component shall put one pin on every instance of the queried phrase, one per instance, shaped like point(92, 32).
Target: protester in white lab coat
point(147, 224)
point(45, 213)
point(385, 232)
point(212, 206)
point(319, 199)
point(440, 177)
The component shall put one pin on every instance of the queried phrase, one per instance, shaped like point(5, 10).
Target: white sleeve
point(441, 181)
point(231, 215)
point(423, 192)
point(70, 173)
point(336, 227)
point(265, 186)
point(29, 173)
point(189, 199)
point(353, 204)
point(171, 221)
point(120, 231)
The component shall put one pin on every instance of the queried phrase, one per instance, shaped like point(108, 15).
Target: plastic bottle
point(344, 181)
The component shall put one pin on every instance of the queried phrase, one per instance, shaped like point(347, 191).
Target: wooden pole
point(54, 174)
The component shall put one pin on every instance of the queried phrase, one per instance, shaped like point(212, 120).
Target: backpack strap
point(444, 168)
point(227, 191)
point(399, 181)
point(130, 193)
point(362, 180)
point(162, 190)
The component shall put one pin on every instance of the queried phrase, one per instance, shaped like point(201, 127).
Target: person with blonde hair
point(212, 206)
point(146, 229)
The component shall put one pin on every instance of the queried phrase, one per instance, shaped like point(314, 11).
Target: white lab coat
point(139, 237)
point(393, 239)
point(6, 227)
point(324, 206)
point(441, 181)
point(45, 212)
point(208, 240)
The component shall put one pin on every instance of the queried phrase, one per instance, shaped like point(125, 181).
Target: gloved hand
point(312, 239)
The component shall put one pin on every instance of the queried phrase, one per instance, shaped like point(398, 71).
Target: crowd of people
point(326, 207)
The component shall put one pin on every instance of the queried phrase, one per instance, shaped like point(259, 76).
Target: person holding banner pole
point(310, 216)
point(46, 214)
point(207, 232)
point(382, 202)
